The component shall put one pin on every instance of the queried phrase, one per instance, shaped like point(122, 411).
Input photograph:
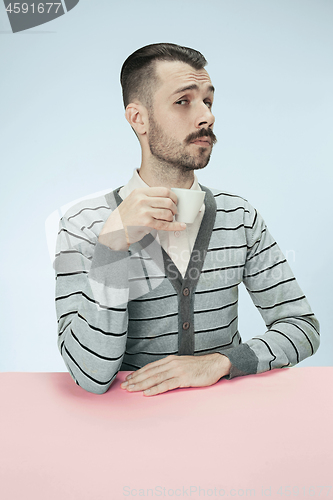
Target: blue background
point(64, 136)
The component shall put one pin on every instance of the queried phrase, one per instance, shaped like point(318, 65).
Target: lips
point(202, 141)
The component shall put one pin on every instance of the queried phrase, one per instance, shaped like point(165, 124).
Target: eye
point(208, 104)
point(180, 101)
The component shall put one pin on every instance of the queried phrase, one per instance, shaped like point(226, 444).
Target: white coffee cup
point(189, 203)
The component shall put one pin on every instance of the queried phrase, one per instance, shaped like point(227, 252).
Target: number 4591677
point(40, 8)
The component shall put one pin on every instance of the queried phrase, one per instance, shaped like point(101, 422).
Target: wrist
point(115, 240)
point(224, 364)
point(113, 233)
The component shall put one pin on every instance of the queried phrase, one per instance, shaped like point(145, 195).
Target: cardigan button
point(186, 325)
point(186, 292)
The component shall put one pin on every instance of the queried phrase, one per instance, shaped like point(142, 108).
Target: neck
point(156, 173)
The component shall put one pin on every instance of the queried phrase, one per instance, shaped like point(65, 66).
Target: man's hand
point(178, 371)
point(140, 212)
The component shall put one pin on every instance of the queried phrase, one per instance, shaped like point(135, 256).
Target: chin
point(198, 166)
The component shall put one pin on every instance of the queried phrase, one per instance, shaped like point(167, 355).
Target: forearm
point(92, 342)
point(89, 369)
point(91, 303)
point(287, 342)
point(292, 331)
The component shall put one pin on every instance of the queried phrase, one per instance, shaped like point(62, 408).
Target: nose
point(205, 117)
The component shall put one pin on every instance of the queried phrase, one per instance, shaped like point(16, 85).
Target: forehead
point(177, 74)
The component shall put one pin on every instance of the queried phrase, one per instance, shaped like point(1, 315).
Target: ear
point(137, 116)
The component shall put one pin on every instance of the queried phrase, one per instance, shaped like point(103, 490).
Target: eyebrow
point(194, 86)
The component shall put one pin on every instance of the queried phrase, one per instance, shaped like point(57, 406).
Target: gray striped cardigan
point(120, 310)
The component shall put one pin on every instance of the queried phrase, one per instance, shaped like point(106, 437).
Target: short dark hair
point(138, 77)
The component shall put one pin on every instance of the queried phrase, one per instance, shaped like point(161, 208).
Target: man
point(137, 290)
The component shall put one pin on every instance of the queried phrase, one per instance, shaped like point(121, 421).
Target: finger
point(154, 364)
point(150, 377)
point(162, 192)
point(165, 386)
point(162, 225)
point(147, 381)
point(165, 203)
point(161, 214)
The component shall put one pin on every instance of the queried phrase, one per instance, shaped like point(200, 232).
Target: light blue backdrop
point(64, 136)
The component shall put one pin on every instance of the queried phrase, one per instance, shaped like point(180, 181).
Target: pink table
point(259, 436)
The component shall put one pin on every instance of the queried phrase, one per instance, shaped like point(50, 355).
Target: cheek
point(174, 117)
point(174, 123)
point(178, 125)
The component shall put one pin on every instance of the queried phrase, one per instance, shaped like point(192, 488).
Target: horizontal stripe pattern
point(118, 310)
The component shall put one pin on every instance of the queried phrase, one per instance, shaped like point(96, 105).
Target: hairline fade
point(138, 75)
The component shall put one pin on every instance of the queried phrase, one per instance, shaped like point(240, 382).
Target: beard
point(171, 152)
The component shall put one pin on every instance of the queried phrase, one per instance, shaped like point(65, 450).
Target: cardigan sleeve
point(91, 304)
point(292, 329)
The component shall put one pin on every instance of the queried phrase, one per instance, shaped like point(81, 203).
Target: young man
point(136, 290)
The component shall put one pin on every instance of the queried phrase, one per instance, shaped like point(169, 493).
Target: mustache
point(203, 132)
